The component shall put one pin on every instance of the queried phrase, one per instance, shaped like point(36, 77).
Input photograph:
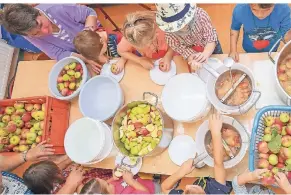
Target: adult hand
point(127, 177)
point(165, 64)
point(187, 167)
point(283, 182)
point(234, 56)
point(76, 176)
point(146, 63)
point(95, 66)
point(40, 152)
point(215, 123)
point(201, 57)
point(258, 174)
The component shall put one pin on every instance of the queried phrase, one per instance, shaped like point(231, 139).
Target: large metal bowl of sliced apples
point(138, 130)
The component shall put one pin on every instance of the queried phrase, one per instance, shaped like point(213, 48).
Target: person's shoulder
point(200, 12)
point(281, 9)
point(240, 8)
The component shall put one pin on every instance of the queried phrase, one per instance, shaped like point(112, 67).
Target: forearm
point(219, 171)
point(80, 56)
point(91, 21)
point(138, 186)
point(233, 40)
point(64, 164)
point(11, 162)
point(130, 56)
point(287, 189)
point(244, 178)
point(209, 48)
point(170, 53)
point(169, 183)
point(123, 60)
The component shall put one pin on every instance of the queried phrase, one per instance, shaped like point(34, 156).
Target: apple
point(15, 149)
point(267, 137)
point(19, 123)
point(282, 77)
point(284, 117)
point(15, 117)
point(78, 84)
point(26, 117)
point(38, 139)
point(20, 111)
point(4, 140)
point(267, 130)
point(60, 79)
point(72, 66)
point(268, 180)
point(28, 107)
point(9, 147)
point(286, 141)
point(71, 72)
point(72, 85)
point(36, 126)
point(24, 133)
point(43, 107)
point(3, 133)
point(61, 86)
point(39, 115)
point(41, 125)
point(11, 127)
point(64, 91)
point(28, 125)
point(78, 67)
point(288, 129)
point(33, 145)
point(40, 132)
point(18, 131)
point(263, 163)
point(269, 121)
point(263, 147)
point(32, 136)
point(288, 162)
point(22, 142)
point(77, 75)
point(23, 148)
point(284, 132)
point(66, 84)
point(66, 77)
point(282, 68)
point(277, 128)
point(70, 92)
point(281, 159)
point(275, 170)
point(264, 156)
point(32, 130)
point(273, 159)
point(14, 140)
point(287, 152)
point(67, 67)
point(280, 165)
point(18, 105)
point(29, 142)
point(9, 110)
point(6, 118)
point(2, 125)
point(36, 107)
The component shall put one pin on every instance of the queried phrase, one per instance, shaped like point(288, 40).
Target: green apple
point(18, 131)
point(36, 126)
point(23, 148)
point(72, 66)
point(67, 67)
point(32, 130)
point(9, 110)
point(77, 75)
point(273, 159)
point(2, 125)
point(61, 86)
point(267, 137)
point(39, 132)
point(71, 72)
point(38, 139)
point(284, 117)
point(31, 136)
point(288, 162)
point(66, 77)
point(29, 142)
point(14, 140)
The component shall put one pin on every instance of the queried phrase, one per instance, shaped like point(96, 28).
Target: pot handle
point(152, 94)
point(272, 49)
point(210, 70)
point(253, 100)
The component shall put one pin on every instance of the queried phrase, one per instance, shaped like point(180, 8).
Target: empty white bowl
point(100, 98)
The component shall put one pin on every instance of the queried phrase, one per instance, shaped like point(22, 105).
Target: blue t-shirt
point(261, 35)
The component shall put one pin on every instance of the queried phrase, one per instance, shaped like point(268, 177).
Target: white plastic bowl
point(100, 98)
point(54, 74)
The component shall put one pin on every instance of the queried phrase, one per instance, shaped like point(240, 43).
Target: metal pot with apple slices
point(283, 71)
point(141, 129)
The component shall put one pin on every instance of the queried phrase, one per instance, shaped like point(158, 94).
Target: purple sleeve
point(79, 13)
point(51, 50)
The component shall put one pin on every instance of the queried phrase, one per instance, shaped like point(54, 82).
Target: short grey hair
point(19, 18)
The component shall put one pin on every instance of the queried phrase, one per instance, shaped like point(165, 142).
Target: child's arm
point(283, 182)
point(73, 181)
point(208, 50)
point(249, 177)
point(285, 24)
point(128, 178)
point(215, 125)
point(167, 60)
point(186, 168)
point(233, 45)
point(120, 64)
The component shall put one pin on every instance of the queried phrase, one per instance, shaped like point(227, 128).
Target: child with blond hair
point(142, 36)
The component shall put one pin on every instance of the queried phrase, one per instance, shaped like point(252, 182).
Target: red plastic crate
point(57, 115)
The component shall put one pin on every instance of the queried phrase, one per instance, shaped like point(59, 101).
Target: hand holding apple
point(40, 152)
point(283, 182)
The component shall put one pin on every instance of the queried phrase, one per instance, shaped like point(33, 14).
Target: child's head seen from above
point(90, 45)
point(193, 189)
point(261, 11)
point(139, 28)
point(96, 186)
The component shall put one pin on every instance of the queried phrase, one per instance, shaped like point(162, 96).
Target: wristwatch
point(24, 155)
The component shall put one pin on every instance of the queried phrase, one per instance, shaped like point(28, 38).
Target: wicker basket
point(258, 130)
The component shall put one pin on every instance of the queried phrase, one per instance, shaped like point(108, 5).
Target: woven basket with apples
point(271, 142)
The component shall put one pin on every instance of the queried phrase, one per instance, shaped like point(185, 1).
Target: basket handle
point(152, 94)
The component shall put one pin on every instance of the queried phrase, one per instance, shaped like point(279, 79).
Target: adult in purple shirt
point(51, 27)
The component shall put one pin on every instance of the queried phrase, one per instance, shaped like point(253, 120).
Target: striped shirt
point(200, 33)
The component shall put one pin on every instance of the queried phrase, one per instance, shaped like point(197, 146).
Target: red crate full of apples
point(25, 122)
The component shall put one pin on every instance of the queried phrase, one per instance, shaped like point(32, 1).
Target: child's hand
point(166, 64)
point(187, 167)
point(283, 182)
point(113, 174)
point(76, 176)
point(127, 177)
point(201, 57)
point(234, 56)
point(215, 124)
point(119, 66)
point(195, 66)
point(257, 174)
point(95, 66)
point(146, 63)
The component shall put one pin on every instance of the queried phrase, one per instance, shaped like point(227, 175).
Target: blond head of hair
point(139, 28)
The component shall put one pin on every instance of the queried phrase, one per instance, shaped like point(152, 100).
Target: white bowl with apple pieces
point(56, 70)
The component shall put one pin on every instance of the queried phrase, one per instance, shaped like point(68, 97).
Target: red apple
point(288, 129)
point(11, 127)
point(64, 91)
point(36, 107)
point(78, 67)
point(26, 117)
point(286, 141)
point(70, 92)
point(268, 180)
point(268, 130)
point(263, 147)
point(66, 84)
point(287, 152)
point(28, 107)
point(282, 68)
point(72, 78)
point(277, 128)
point(279, 122)
point(60, 79)
point(264, 156)
point(263, 163)
point(23, 133)
point(28, 125)
point(280, 165)
point(270, 167)
point(288, 174)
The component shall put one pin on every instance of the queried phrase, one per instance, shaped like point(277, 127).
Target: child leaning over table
point(47, 177)
point(216, 185)
point(263, 25)
point(146, 40)
point(99, 45)
point(189, 32)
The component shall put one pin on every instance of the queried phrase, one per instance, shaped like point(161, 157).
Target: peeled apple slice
point(150, 127)
point(118, 174)
point(121, 134)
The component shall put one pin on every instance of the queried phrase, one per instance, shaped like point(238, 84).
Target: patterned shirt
point(200, 33)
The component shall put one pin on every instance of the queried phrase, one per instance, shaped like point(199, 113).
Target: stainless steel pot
point(211, 93)
point(285, 51)
point(167, 127)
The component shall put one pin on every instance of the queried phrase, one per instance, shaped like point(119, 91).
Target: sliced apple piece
point(150, 127)
point(160, 133)
point(130, 127)
point(154, 133)
point(118, 174)
point(142, 105)
point(150, 148)
point(121, 134)
point(148, 139)
point(139, 139)
point(153, 115)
